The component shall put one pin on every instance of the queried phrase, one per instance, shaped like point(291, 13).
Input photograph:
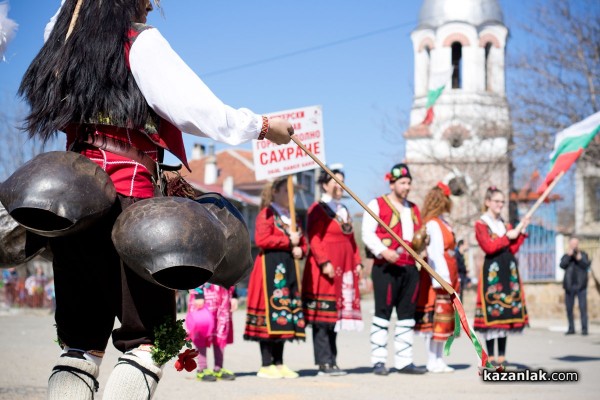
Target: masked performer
point(330, 284)
point(104, 76)
point(275, 312)
point(435, 313)
point(500, 307)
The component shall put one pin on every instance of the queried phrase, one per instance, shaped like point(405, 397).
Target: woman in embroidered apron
point(435, 314)
point(275, 312)
point(500, 307)
point(330, 290)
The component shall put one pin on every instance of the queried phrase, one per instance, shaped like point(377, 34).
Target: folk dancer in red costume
point(274, 311)
point(395, 275)
point(500, 307)
point(103, 73)
point(435, 313)
point(330, 290)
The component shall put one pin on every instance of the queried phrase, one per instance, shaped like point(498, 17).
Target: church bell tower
point(467, 142)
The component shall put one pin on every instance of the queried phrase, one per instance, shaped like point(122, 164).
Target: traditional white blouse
point(178, 95)
point(369, 227)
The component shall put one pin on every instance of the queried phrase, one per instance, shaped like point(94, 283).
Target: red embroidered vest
point(392, 219)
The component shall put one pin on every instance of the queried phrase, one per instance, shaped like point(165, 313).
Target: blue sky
point(354, 58)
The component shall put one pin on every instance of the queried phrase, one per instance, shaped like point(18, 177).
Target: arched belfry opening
point(428, 65)
point(456, 65)
point(488, 67)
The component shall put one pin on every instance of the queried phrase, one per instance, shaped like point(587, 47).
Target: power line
point(308, 49)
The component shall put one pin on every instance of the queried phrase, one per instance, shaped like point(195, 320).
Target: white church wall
point(421, 68)
point(472, 69)
point(436, 150)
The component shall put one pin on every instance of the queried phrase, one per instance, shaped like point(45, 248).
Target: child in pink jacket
point(209, 322)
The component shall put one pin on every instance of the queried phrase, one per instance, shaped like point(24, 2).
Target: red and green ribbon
point(460, 319)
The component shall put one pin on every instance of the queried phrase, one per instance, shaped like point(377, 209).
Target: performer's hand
point(294, 238)
point(328, 270)
point(512, 234)
point(198, 303)
point(280, 131)
point(233, 305)
point(297, 252)
point(390, 256)
point(359, 268)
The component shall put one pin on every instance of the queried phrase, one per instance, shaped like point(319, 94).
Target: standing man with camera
point(576, 264)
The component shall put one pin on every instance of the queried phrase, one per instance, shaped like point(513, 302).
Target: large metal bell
point(237, 262)
point(57, 193)
point(17, 246)
point(171, 241)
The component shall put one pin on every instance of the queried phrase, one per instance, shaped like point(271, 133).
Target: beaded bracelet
point(264, 129)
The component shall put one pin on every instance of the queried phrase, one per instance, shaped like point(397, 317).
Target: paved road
point(27, 354)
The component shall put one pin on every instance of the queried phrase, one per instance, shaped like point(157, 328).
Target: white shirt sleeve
point(50, 25)
point(369, 226)
point(178, 95)
point(408, 225)
point(435, 252)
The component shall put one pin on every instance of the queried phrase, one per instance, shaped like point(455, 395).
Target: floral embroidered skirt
point(500, 302)
point(274, 310)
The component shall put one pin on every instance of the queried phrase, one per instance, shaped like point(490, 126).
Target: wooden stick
point(74, 18)
point(293, 227)
point(290, 188)
point(447, 287)
point(541, 199)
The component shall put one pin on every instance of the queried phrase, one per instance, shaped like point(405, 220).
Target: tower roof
point(435, 13)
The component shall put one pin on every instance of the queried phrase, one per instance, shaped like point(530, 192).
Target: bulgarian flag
point(568, 146)
point(437, 82)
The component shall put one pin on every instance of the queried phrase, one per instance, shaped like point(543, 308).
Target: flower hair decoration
point(445, 189)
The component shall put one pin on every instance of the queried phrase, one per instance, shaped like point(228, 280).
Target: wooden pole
point(447, 287)
point(293, 227)
point(541, 199)
point(291, 202)
point(74, 19)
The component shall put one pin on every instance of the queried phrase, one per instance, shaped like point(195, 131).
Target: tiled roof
point(237, 163)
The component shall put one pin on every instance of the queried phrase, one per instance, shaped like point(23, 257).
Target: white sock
point(379, 338)
point(133, 378)
point(73, 379)
point(431, 353)
point(403, 343)
point(439, 348)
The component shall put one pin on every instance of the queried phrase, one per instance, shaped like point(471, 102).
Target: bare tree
point(556, 78)
point(15, 147)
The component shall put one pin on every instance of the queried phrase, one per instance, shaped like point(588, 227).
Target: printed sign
point(272, 160)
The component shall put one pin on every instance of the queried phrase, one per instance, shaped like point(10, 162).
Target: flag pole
point(447, 287)
point(291, 202)
point(541, 199)
point(293, 227)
